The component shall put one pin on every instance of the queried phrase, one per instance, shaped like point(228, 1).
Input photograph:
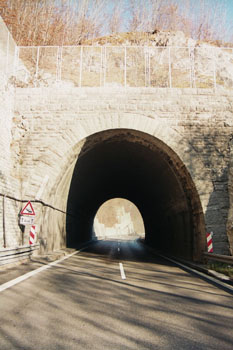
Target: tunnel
point(136, 166)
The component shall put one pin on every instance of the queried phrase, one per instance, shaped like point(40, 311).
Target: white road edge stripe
point(32, 273)
point(122, 271)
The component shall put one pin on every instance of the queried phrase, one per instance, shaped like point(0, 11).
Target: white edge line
point(224, 285)
point(122, 271)
point(27, 275)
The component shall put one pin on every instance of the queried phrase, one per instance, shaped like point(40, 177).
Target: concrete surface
point(83, 303)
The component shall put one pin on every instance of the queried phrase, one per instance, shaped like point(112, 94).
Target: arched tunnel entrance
point(139, 167)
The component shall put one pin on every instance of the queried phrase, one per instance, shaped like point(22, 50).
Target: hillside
point(158, 38)
point(162, 59)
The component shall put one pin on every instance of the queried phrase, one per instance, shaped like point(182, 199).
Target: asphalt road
point(115, 295)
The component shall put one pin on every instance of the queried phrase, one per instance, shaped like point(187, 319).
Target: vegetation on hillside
point(72, 22)
point(223, 268)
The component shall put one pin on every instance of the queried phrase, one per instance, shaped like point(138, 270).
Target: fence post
point(193, 65)
point(37, 61)
point(214, 69)
point(59, 59)
point(125, 78)
point(170, 70)
point(7, 52)
point(3, 221)
point(16, 59)
point(191, 69)
point(145, 65)
point(105, 64)
point(101, 66)
point(61, 55)
point(149, 68)
point(81, 67)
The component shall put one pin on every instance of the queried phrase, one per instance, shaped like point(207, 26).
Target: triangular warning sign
point(28, 209)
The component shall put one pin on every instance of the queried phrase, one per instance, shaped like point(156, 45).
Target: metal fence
point(121, 66)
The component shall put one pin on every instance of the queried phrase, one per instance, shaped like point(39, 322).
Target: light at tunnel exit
point(118, 218)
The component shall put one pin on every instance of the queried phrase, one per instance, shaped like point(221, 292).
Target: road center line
point(118, 249)
point(122, 271)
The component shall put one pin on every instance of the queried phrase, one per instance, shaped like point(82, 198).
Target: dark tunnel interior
point(140, 168)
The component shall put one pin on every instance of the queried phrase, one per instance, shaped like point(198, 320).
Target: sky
point(227, 5)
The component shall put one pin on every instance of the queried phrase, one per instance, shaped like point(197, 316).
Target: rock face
point(67, 147)
point(163, 60)
point(230, 189)
point(158, 38)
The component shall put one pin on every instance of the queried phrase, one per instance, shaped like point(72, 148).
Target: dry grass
point(133, 66)
point(222, 268)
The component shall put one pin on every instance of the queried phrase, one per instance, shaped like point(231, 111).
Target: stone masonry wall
point(195, 123)
point(10, 184)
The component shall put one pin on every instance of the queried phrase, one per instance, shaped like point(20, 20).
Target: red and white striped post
point(209, 242)
point(32, 236)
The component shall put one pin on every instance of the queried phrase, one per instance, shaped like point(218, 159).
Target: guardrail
point(222, 258)
point(12, 255)
point(127, 66)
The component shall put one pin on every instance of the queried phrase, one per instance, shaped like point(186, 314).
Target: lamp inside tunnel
point(128, 164)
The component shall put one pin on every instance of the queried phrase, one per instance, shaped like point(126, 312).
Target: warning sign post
point(27, 215)
point(24, 220)
point(28, 210)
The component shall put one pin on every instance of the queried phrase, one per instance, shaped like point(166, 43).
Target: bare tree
point(69, 22)
point(139, 15)
point(116, 17)
point(53, 22)
point(208, 20)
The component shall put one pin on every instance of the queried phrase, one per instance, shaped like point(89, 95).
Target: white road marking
point(122, 271)
point(32, 273)
point(118, 249)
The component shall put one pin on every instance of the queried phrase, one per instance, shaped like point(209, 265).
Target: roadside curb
point(216, 278)
point(59, 254)
point(66, 254)
point(16, 271)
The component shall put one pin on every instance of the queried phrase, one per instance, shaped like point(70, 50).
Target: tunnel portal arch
point(141, 168)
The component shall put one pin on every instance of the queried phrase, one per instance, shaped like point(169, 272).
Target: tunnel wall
point(196, 124)
point(10, 183)
point(10, 186)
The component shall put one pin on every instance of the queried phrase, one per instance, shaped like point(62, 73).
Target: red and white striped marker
point(209, 242)
point(32, 236)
